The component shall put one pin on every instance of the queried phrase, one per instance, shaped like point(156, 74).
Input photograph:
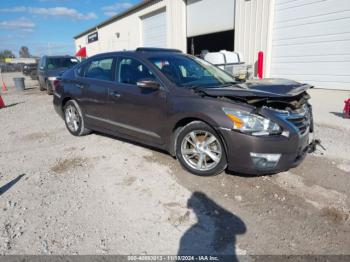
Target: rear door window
point(100, 68)
point(42, 63)
point(60, 62)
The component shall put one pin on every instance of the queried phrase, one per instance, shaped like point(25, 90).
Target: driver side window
point(130, 71)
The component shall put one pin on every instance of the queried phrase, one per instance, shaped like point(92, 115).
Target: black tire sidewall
point(41, 86)
point(81, 126)
point(48, 88)
point(198, 125)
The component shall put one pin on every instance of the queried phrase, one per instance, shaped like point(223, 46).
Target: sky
point(48, 26)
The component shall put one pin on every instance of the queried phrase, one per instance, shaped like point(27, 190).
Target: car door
point(93, 81)
point(134, 111)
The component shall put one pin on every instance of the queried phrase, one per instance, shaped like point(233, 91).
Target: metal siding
point(177, 24)
point(252, 28)
point(311, 42)
point(131, 33)
point(154, 29)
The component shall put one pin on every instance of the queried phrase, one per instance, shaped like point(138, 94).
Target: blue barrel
point(19, 83)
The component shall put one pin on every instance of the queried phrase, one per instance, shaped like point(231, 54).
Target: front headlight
point(250, 123)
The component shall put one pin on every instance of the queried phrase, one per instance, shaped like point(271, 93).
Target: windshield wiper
point(228, 84)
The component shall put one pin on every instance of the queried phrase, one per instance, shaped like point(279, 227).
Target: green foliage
point(24, 52)
point(6, 54)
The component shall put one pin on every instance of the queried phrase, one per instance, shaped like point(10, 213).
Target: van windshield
point(60, 62)
point(186, 71)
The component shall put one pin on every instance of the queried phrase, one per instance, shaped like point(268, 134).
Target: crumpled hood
point(267, 88)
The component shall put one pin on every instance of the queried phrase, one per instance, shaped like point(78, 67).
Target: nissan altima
point(189, 108)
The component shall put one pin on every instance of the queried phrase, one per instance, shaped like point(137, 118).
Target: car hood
point(267, 88)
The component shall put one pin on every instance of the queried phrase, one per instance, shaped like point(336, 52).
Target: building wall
point(311, 42)
point(253, 30)
point(130, 30)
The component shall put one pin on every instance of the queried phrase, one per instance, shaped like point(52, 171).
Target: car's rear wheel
point(41, 87)
point(48, 87)
point(74, 119)
point(200, 150)
point(33, 75)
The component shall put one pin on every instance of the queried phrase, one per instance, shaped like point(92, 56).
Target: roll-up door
point(311, 42)
point(154, 29)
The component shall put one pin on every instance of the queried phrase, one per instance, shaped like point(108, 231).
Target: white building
point(305, 40)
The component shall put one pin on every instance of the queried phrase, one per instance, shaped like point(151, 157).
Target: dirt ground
point(61, 194)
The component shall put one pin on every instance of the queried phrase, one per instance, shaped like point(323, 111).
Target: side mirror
point(148, 84)
point(41, 68)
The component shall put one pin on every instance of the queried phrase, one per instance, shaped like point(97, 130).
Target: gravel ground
point(96, 194)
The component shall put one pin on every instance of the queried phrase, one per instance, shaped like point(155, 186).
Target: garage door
point(154, 29)
point(311, 42)
point(221, 16)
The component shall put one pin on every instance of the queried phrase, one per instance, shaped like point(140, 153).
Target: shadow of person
point(10, 184)
point(214, 233)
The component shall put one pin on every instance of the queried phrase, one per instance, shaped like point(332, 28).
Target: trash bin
point(19, 83)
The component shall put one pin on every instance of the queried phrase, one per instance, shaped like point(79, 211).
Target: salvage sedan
point(190, 108)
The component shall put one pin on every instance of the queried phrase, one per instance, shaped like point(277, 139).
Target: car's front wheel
point(74, 120)
point(200, 149)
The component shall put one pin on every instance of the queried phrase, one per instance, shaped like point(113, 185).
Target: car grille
point(301, 119)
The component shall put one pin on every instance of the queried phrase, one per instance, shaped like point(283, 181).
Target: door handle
point(81, 86)
point(115, 94)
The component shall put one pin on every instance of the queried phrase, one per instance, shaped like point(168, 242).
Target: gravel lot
point(96, 194)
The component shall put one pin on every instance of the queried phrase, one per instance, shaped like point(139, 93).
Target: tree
point(6, 54)
point(24, 52)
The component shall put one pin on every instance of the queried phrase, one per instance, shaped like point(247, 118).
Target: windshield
point(191, 71)
point(61, 62)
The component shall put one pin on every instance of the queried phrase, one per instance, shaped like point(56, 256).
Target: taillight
point(56, 84)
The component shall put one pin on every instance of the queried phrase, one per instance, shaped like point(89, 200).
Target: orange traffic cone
point(2, 104)
point(4, 88)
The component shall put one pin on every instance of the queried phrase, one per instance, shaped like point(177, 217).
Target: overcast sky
point(48, 26)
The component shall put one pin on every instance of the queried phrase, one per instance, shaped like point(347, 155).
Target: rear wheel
point(48, 88)
point(74, 120)
point(41, 87)
point(200, 150)
point(33, 75)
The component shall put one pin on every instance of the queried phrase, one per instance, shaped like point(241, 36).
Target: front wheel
point(74, 120)
point(200, 150)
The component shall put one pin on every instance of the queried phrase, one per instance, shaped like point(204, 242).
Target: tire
point(33, 75)
point(41, 87)
point(49, 90)
point(74, 119)
point(200, 150)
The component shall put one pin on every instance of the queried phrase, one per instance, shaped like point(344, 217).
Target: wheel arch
point(185, 121)
point(64, 101)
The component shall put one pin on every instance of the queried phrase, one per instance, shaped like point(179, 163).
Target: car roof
point(58, 56)
point(144, 53)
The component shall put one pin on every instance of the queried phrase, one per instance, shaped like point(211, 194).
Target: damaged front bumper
point(265, 155)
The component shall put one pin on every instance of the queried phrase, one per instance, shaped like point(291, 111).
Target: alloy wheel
point(72, 118)
point(201, 150)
